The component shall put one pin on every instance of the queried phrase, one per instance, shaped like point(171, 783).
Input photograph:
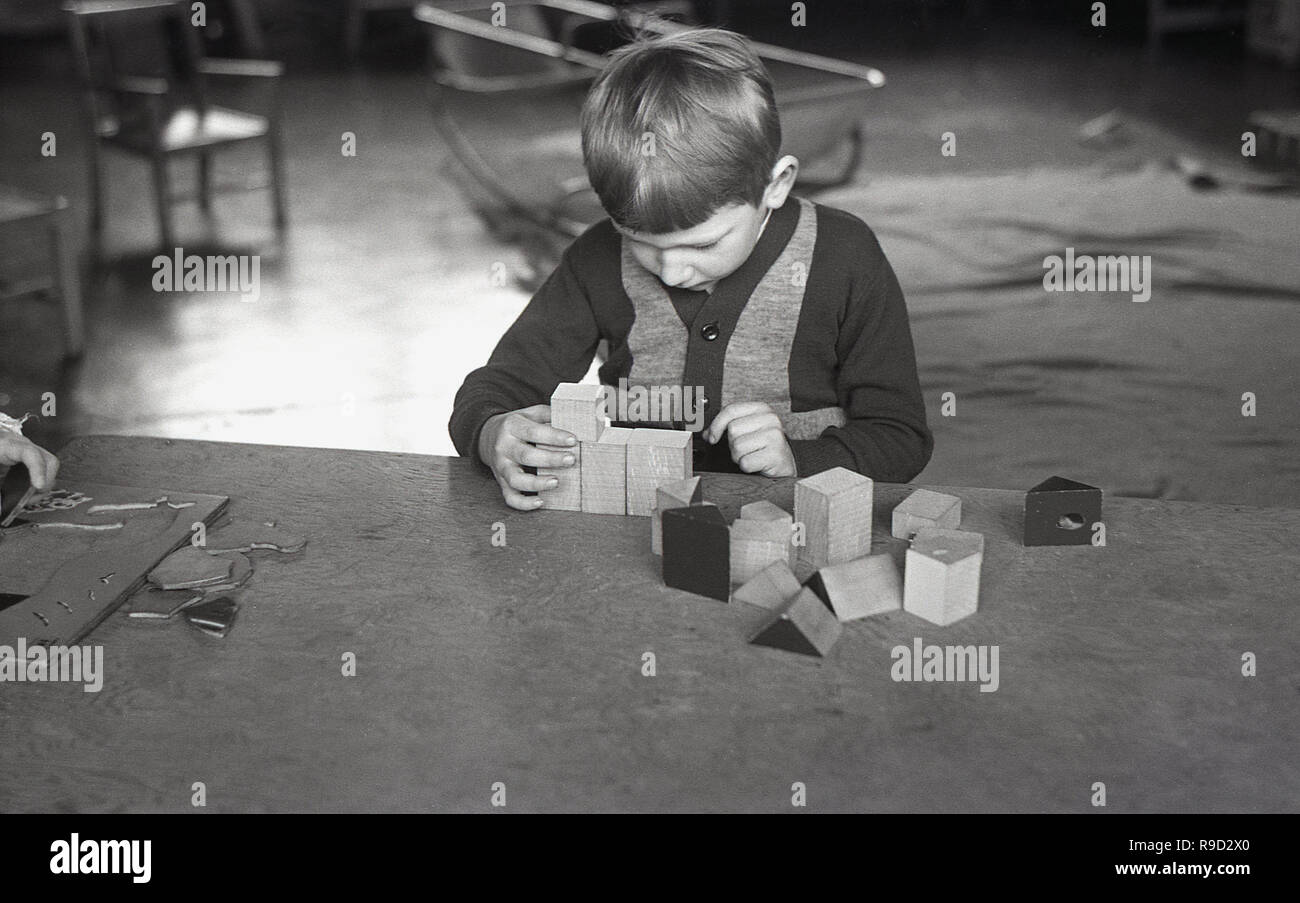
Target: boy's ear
point(784, 173)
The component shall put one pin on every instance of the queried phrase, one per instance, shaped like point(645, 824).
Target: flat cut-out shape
point(214, 616)
point(804, 625)
point(158, 604)
point(925, 508)
point(190, 568)
point(250, 536)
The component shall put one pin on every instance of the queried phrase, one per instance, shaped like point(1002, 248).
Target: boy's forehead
point(712, 228)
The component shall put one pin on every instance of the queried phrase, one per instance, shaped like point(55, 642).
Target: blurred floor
point(384, 297)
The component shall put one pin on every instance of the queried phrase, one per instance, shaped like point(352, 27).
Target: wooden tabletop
point(523, 664)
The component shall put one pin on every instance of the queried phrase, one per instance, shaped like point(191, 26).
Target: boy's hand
point(757, 440)
point(42, 466)
point(507, 443)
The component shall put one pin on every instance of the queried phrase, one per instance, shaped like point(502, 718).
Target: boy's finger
point(545, 434)
point(729, 413)
point(527, 482)
point(756, 461)
point(540, 413)
point(511, 477)
point(34, 459)
point(51, 469)
point(532, 456)
point(749, 443)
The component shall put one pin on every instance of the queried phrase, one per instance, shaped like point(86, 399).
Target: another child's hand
point(758, 443)
point(42, 466)
point(508, 443)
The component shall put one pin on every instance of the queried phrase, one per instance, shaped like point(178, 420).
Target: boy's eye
point(712, 244)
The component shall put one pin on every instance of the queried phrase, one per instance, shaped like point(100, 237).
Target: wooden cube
point(697, 551)
point(770, 588)
point(804, 625)
point(580, 409)
point(924, 508)
point(655, 457)
point(568, 495)
point(942, 580)
point(835, 509)
point(755, 544)
point(860, 588)
point(604, 472)
point(1061, 512)
point(671, 495)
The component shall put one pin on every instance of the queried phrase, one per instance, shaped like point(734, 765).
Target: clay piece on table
point(250, 536)
point(190, 568)
point(214, 616)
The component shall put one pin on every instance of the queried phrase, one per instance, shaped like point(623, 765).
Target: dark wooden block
point(1061, 512)
point(805, 626)
point(697, 551)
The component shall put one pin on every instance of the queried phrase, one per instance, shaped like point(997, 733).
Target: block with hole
point(672, 495)
point(567, 496)
point(924, 508)
point(604, 472)
point(580, 409)
point(770, 588)
point(941, 583)
point(655, 457)
point(835, 509)
point(804, 625)
point(697, 551)
point(1061, 512)
point(860, 588)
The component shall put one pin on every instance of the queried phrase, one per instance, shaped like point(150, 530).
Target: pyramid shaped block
point(804, 625)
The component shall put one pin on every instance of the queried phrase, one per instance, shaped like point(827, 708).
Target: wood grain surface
point(523, 664)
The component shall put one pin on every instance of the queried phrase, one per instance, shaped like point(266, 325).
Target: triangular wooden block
point(924, 508)
point(697, 551)
point(860, 588)
point(671, 495)
point(771, 588)
point(805, 626)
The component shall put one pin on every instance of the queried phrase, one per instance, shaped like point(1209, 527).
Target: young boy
point(709, 278)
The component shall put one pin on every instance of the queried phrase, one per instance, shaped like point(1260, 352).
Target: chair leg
point(162, 197)
point(275, 154)
point(205, 182)
point(69, 282)
point(96, 204)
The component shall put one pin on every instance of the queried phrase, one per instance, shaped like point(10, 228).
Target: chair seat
point(185, 129)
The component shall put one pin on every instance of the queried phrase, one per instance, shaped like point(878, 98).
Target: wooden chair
point(22, 210)
point(144, 81)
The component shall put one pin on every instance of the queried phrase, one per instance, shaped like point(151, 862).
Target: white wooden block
point(568, 495)
point(835, 509)
point(655, 457)
point(770, 588)
point(860, 588)
point(604, 472)
point(924, 508)
point(942, 580)
point(671, 495)
point(766, 510)
point(580, 409)
point(755, 544)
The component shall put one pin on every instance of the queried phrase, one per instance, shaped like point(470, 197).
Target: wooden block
point(604, 472)
point(697, 551)
point(835, 509)
point(860, 588)
point(655, 457)
point(804, 625)
point(942, 583)
point(755, 544)
point(671, 495)
point(1061, 512)
point(580, 409)
point(766, 510)
point(770, 588)
point(568, 495)
point(924, 508)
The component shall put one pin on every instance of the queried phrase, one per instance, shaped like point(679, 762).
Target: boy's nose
point(675, 275)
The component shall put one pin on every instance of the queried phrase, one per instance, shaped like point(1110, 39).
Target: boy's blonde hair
point(677, 127)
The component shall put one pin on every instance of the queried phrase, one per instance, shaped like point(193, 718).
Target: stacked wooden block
point(617, 470)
